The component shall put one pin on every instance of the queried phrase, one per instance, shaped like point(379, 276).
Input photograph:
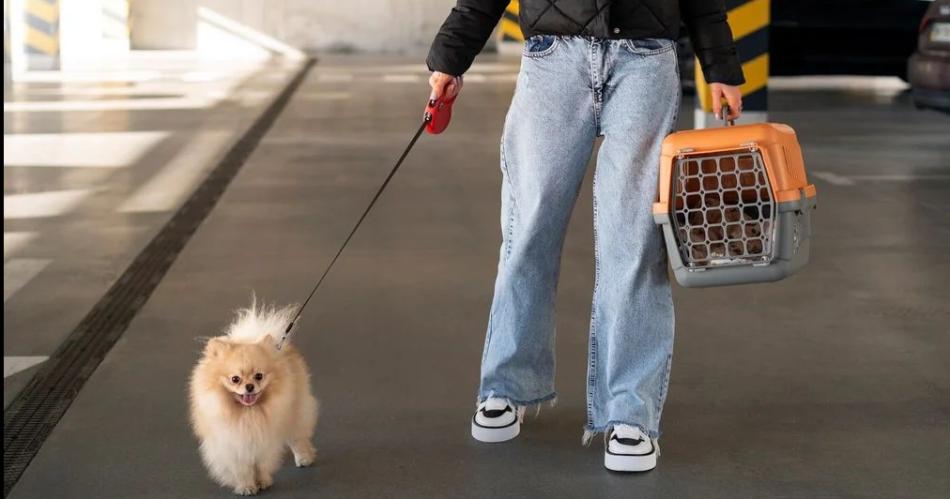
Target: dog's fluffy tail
point(257, 321)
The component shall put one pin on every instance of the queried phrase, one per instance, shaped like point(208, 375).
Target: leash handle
point(438, 113)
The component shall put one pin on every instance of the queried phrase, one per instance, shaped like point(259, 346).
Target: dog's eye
point(258, 376)
point(235, 379)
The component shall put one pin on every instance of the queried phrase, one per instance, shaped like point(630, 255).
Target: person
point(590, 68)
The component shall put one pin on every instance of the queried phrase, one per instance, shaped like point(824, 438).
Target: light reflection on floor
point(78, 150)
point(42, 204)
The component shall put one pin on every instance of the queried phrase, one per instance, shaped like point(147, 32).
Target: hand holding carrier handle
point(724, 113)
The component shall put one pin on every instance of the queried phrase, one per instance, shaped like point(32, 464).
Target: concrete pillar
point(509, 35)
point(115, 22)
point(163, 24)
point(7, 52)
point(38, 34)
point(749, 20)
point(6, 35)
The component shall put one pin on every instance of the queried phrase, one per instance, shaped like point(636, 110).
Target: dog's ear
point(268, 342)
point(216, 347)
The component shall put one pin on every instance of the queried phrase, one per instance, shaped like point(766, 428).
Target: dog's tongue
point(248, 398)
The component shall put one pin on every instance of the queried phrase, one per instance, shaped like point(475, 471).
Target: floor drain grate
point(38, 408)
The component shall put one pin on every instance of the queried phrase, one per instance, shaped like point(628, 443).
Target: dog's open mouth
point(247, 399)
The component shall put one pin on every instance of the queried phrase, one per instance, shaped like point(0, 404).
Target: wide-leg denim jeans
point(570, 91)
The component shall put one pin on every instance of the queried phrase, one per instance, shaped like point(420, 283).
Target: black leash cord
point(405, 153)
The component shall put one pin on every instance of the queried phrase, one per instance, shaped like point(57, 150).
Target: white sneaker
point(496, 420)
point(628, 449)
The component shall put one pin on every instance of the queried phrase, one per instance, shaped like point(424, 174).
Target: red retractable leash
point(435, 120)
point(437, 115)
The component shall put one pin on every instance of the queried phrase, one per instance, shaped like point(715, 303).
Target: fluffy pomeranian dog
point(249, 399)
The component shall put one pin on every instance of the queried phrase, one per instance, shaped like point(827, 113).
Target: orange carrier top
point(776, 142)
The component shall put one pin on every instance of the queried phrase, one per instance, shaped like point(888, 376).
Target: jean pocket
point(540, 45)
point(648, 46)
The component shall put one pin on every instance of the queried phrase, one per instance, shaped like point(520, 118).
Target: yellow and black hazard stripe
point(509, 27)
point(749, 20)
point(42, 33)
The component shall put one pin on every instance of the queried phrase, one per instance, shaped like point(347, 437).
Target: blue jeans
point(570, 91)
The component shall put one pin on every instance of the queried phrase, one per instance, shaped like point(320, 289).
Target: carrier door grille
point(723, 209)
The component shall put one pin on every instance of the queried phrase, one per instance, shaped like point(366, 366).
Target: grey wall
point(162, 24)
point(382, 26)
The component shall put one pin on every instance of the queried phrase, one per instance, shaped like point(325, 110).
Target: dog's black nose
point(249, 388)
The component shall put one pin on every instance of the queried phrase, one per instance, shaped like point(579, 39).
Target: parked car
point(838, 37)
point(929, 67)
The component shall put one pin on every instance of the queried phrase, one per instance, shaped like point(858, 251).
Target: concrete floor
point(833, 383)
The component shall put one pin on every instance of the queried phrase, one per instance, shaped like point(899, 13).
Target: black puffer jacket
point(465, 31)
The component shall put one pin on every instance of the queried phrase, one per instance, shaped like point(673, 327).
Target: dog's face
point(244, 370)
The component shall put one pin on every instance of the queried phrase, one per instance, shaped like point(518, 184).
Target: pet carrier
point(734, 204)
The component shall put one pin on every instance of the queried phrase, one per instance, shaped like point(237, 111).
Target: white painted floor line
point(43, 204)
point(391, 68)
point(899, 177)
point(334, 77)
point(17, 272)
point(402, 78)
point(109, 105)
point(479, 67)
point(165, 88)
point(15, 364)
point(832, 178)
point(848, 180)
point(422, 69)
point(202, 76)
point(314, 139)
point(482, 77)
point(166, 190)
point(323, 96)
point(811, 83)
point(91, 76)
point(15, 241)
point(78, 150)
point(503, 77)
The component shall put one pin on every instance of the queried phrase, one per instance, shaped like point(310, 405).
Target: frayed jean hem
point(590, 430)
point(551, 397)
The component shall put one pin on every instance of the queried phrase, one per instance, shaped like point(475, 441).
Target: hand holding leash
point(445, 89)
point(437, 115)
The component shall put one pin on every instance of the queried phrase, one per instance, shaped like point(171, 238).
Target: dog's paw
point(265, 482)
point(247, 490)
point(304, 459)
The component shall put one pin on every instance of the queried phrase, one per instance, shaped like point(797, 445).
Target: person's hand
point(732, 95)
point(444, 85)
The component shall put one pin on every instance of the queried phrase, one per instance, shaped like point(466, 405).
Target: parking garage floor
point(833, 383)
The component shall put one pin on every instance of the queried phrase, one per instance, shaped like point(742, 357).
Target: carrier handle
point(724, 110)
